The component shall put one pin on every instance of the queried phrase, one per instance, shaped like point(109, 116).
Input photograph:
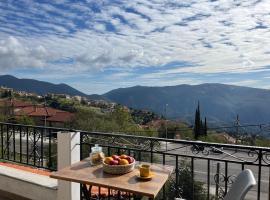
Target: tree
point(200, 128)
point(3, 118)
point(6, 93)
point(121, 117)
point(197, 124)
point(119, 120)
point(186, 187)
point(205, 127)
point(25, 120)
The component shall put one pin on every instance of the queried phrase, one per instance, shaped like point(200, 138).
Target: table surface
point(83, 172)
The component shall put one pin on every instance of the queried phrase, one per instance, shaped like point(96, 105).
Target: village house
point(41, 114)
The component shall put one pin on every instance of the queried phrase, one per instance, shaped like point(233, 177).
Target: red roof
point(15, 103)
point(37, 111)
point(61, 117)
point(53, 115)
point(43, 111)
point(22, 108)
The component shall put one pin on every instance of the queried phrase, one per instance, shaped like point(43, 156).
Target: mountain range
point(219, 103)
point(38, 87)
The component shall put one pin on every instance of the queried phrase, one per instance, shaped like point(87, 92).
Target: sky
point(100, 45)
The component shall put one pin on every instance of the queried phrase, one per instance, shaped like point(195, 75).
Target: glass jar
point(96, 155)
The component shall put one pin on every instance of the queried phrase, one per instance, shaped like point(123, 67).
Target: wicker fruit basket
point(118, 169)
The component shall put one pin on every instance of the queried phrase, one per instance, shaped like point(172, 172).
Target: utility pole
point(166, 127)
point(45, 119)
point(237, 124)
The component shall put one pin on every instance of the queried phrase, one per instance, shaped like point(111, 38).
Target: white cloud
point(219, 36)
point(14, 54)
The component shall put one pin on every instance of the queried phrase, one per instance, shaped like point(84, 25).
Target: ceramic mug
point(144, 170)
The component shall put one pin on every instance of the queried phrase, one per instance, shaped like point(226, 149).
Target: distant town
point(21, 103)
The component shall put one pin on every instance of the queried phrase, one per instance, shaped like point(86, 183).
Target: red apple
point(130, 159)
point(115, 157)
point(114, 162)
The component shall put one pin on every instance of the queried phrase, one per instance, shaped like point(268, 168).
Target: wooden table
point(82, 172)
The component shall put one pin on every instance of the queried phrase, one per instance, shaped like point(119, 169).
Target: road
point(200, 166)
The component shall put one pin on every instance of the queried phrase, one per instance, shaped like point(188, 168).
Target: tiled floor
point(10, 167)
point(9, 196)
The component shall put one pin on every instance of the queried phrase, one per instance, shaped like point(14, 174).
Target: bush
point(119, 120)
point(3, 118)
point(25, 120)
point(186, 188)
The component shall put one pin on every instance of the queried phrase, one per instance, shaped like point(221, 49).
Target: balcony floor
point(8, 196)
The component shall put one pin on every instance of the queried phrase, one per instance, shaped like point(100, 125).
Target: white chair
point(242, 184)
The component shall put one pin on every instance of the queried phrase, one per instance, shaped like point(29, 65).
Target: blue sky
point(96, 46)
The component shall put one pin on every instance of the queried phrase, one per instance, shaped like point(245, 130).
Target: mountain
point(218, 102)
point(38, 87)
point(98, 97)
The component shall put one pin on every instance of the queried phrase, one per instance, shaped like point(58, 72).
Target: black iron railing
point(202, 170)
point(29, 145)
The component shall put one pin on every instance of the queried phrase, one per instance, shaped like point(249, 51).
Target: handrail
point(145, 137)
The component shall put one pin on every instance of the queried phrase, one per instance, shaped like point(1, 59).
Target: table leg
point(85, 192)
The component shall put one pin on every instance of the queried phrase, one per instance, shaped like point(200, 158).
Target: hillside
point(218, 102)
point(38, 87)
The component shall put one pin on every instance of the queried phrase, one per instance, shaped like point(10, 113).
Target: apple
point(114, 162)
point(130, 159)
point(115, 157)
point(123, 156)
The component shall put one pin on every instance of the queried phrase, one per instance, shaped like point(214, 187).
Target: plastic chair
point(242, 184)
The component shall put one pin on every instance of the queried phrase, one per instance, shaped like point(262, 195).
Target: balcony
point(202, 170)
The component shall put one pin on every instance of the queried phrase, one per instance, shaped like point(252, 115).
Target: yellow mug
point(144, 170)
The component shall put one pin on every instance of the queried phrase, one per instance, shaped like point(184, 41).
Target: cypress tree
point(205, 127)
point(201, 128)
point(197, 124)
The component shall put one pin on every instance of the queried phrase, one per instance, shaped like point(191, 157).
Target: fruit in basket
point(130, 159)
point(115, 157)
point(119, 160)
point(123, 166)
point(114, 162)
point(123, 156)
point(108, 160)
point(123, 162)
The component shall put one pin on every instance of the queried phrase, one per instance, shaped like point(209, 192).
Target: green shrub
point(186, 187)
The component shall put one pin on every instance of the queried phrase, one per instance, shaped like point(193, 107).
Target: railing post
point(217, 181)
point(269, 184)
point(68, 150)
point(260, 157)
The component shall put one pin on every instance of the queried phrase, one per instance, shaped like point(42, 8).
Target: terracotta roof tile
point(38, 111)
point(23, 111)
point(15, 103)
point(25, 108)
point(61, 117)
